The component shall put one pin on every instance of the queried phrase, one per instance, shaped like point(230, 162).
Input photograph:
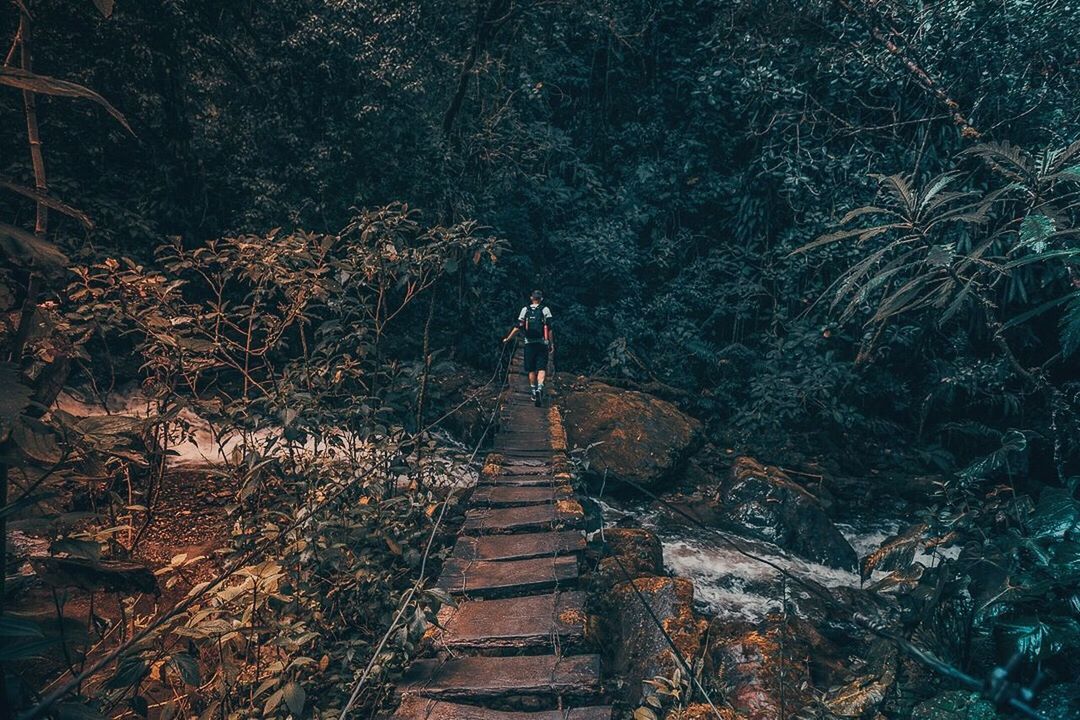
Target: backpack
point(534, 322)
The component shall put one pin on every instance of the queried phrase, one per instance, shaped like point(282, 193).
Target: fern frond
point(1011, 161)
point(1069, 330)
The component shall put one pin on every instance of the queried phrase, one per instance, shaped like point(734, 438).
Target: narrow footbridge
point(515, 647)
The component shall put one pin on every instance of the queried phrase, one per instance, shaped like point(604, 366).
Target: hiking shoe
point(539, 398)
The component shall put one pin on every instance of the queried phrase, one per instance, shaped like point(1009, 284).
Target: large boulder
point(749, 669)
point(642, 652)
point(630, 551)
point(635, 436)
point(765, 503)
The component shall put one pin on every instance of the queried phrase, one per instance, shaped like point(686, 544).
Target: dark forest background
point(654, 167)
point(839, 233)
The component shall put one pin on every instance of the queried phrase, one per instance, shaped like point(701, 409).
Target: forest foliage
point(836, 231)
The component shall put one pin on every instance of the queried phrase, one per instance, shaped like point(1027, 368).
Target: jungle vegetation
point(833, 230)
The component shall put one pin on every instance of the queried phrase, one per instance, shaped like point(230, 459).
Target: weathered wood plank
point(563, 513)
point(489, 678)
point(509, 495)
point(418, 708)
point(488, 578)
point(523, 623)
point(532, 469)
point(519, 547)
point(538, 480)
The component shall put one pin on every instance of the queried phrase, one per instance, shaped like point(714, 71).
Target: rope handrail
point(411, 592)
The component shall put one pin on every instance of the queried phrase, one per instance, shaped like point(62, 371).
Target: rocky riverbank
point(750, 572)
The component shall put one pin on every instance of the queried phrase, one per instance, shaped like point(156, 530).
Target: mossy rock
point(955, 705)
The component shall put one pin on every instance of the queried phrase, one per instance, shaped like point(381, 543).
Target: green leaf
point(11, 626)
point(273, 701)
point(36, 440)
point(1055, 514)
point(1026, 635)
point(15, 398)
point(130, 671)
point(12, 652)
point(49, 201)
point(86, 549)
point(29, 250)
point(140, 706)
point(295, 697)
point(186, 667)
point(1070, 326)
point(940, 256)
point(109, 425)
point(23, 80)
point(1034, 637)
point(1034, 231)
point(1066, 565)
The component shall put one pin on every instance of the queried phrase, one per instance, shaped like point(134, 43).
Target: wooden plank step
point(487, 578)
point(529, 469)
point(524, 449)
point(418, 708)
point(491, 678)
point(517, 456)
point(563, 513)
point(509, 495)
point(540, 480)
point(523, 623)
point(519, 547)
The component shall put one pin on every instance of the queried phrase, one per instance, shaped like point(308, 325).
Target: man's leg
point(541, 373)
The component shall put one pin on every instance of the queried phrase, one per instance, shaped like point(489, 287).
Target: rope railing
point(354, 695)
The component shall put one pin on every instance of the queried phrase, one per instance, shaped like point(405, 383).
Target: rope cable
point(407, 598)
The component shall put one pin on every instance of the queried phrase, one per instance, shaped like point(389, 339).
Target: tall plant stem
point(41, 225)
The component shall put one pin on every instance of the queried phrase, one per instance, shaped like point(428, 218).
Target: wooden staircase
point(515, 647)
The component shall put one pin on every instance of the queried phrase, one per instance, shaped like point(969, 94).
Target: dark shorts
point(536, 357)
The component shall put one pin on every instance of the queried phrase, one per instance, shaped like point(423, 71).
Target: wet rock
point(764, 502)
point(638, 550)
point(873, 677)
point(642, 652)
point(641, 438)
point(955, 705)
point(767, 670)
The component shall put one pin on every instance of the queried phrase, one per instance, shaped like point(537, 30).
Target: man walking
point(534, 323)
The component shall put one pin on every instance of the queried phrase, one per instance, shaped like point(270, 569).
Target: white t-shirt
point(521, 320)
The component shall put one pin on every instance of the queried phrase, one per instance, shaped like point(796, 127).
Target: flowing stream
point(730, 585)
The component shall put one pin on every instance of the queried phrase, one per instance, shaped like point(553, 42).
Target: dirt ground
point(190, 517)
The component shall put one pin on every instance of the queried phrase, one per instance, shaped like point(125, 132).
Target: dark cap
point(537, 295)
